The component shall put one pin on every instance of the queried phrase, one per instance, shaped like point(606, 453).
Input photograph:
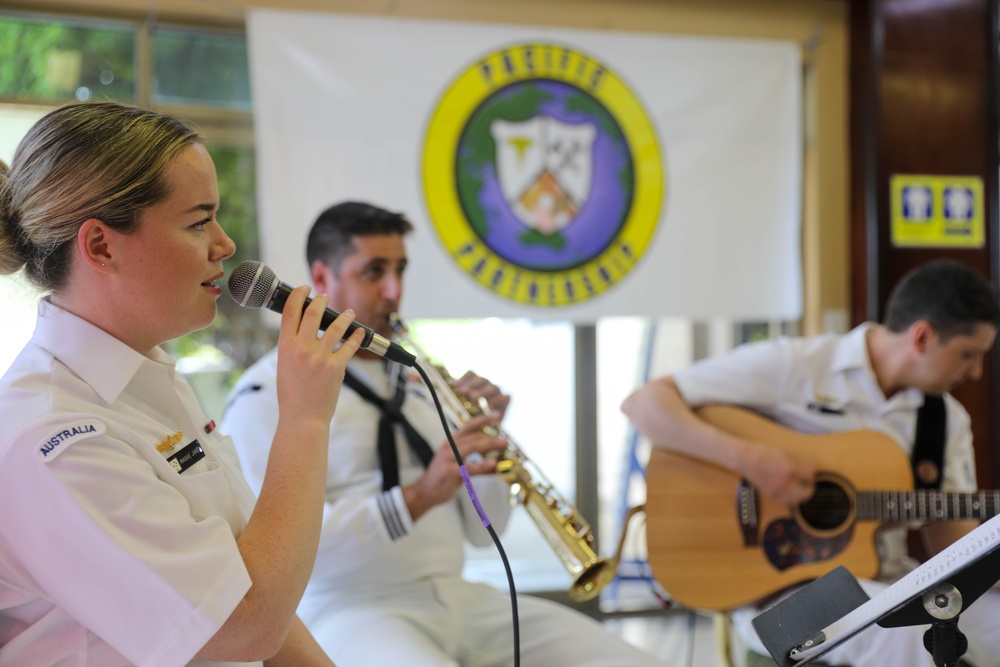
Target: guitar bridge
point(746, 509)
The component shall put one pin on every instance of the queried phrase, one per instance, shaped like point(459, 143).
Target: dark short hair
point(949, 295)
point(331, 238)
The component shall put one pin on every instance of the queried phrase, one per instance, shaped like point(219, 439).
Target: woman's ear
point(93, 244)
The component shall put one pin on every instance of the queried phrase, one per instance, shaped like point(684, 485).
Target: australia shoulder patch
point(60, 440)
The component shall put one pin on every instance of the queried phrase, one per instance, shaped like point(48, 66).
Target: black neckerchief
point(391, 414)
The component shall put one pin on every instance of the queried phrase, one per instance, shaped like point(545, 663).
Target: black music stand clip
point(830, 610)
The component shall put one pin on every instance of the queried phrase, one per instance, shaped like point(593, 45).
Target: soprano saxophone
point(560, 523)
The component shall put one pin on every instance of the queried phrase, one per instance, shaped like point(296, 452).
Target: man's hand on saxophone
point(442, 479)
point(475, 388)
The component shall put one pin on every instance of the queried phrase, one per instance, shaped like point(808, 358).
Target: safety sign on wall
point(937, 211)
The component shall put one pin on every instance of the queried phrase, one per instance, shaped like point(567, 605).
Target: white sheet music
point(955, 558)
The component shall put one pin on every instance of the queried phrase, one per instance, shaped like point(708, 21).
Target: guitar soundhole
point(828, 508)
point(821, 528)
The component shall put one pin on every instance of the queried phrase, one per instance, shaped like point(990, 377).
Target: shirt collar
point(852, 354)
point(95, 356)
point(852, 350)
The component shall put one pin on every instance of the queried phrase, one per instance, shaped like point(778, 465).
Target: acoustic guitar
point(716, 543)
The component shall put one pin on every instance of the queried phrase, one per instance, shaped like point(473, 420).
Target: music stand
point(832, 609)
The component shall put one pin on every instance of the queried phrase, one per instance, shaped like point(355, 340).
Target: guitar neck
point(921, 505)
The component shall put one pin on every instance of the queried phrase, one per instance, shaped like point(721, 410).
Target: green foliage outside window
point(200, 68)
point(50, 61)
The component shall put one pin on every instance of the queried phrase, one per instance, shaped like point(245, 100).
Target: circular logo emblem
point(542, 175)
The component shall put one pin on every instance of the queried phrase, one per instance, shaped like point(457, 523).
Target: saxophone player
point(387, 586)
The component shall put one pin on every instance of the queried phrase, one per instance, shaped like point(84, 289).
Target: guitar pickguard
point(787, 545)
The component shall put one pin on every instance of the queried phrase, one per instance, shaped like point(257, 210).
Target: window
point(199, 75)
point(199, 68)
point(42, 60)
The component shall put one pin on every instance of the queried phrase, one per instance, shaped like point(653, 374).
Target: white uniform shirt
point(369, 541)
point(825, 384)
point(108, 555)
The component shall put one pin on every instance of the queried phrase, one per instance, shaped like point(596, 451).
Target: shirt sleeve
point(752, 375)
point(145, 576)
point(960, 457)
point(251, 419)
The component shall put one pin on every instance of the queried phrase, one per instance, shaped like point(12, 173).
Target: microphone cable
point(479, 510)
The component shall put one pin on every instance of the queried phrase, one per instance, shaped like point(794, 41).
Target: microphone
point(254, 285)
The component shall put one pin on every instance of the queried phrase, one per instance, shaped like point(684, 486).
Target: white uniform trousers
point(449, 622)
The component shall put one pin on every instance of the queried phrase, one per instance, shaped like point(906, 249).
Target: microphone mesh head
point(250, 283)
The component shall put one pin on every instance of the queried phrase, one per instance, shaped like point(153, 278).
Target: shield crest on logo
point(544, 167)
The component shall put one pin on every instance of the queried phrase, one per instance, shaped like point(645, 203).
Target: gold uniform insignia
point(169, 442)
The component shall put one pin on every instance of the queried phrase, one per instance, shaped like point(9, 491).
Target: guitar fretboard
point(901, 506)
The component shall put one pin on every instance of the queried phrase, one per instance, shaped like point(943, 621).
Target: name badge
point(187, 457)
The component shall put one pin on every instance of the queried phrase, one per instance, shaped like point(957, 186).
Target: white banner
point(550, 173)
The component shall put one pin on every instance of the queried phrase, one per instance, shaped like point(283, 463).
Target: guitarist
point(941, 321)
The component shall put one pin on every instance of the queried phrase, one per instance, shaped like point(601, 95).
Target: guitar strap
point(928, 446)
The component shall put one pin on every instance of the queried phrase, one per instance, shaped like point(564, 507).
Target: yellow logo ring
point(559, 270)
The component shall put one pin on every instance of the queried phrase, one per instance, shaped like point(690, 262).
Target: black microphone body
point(254, 285)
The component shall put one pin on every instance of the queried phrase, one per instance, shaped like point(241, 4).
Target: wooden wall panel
point(923, 98)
